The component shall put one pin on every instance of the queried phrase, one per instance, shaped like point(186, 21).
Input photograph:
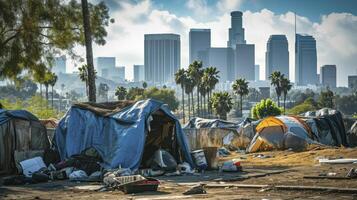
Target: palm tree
point(83, 75)
point(213, 79)
point(89, 52)
point(275, 78)
point(222, 104)
point(195, 73)
point(285, 87)
point(121, 92)
point(47, 81)
point(240, 87)
point(145, 85)
point(53, 82)
point(180, 79)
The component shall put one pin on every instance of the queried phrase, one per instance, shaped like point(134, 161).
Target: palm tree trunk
point(189, 107)
point(204, 105)
point(278, 101)
point(193, 104)
point(198, 101)
point(284, 103)
point(241, 105)
point(46, 92)
point(52, 96)
point(183, 104)
point(89, 51)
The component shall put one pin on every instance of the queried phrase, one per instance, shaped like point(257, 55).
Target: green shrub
point(265, 108)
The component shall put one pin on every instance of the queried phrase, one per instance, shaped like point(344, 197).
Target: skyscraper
point(236, 32)
point(222, 59)
point(199, 42)
point(59, 65)
point(257, 73)
point(162, 56)
point(352, 81)
point(243, 56)
point(104, 65)
point(139, 73)
point(244, 61)
point(277, 56)
point(305, 60)
point(328, 75)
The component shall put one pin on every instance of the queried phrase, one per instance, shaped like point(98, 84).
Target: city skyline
point(140, 17)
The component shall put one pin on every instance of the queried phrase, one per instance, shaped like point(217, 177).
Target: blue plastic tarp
point(6, 115)
point(119, 138)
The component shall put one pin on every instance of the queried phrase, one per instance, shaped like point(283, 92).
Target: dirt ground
point(289, 167)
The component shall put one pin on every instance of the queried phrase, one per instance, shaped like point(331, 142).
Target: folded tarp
point(118, 137)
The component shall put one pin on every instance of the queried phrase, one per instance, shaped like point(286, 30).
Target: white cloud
point(335, 34)
point(228, 5)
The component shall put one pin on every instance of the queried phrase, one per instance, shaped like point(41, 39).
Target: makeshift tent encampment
point(20, 134)
point(124, 134)
point(281, 132)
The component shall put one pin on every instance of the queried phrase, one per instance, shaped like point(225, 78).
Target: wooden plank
point(327, 177)
point(286, 187)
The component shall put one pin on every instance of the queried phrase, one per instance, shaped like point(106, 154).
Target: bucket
point(200, 159)
point(211, 157)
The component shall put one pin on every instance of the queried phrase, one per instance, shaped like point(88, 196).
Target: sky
point(333, 23)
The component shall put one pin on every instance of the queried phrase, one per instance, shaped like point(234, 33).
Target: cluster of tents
point(324, 127)
point(126, 134)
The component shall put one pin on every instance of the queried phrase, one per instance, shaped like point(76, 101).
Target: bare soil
point(297, 164)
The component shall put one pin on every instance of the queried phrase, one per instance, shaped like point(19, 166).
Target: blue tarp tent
point(120, 137)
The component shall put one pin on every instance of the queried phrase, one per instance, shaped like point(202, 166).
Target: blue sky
point(333, 23)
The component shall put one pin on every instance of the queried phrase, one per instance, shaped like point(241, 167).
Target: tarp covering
point(118, 137)
point(6, 115)
point(20, 132)
point(198, 122)
point(328, 127)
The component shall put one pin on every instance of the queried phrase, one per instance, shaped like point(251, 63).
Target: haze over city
point(333, 24)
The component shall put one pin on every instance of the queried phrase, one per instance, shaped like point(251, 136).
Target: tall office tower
point(236, 32)
point(59, 65)
point(328, 75)
point(222, 59)
point(162, 56)
point(305, 60)
point(118, 74)
point(199, 42)
point(244, 61)
point(277, 56)
point(104, 66)
point(139, 73)
point(257, 73)
point(352, 82)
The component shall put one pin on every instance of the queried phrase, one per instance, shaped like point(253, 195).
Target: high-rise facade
point(59, 65)
point(277, 56)
point(244, 61)
point(139, 73)
point(104, 65)
point(257, 73)
point(305, 60)
point(243, 56)
point(352, 82)
point(236, 32)
point(199, 42)
point(162, 54)
point(222, 59)
point(328, 76)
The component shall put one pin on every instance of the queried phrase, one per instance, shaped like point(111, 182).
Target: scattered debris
point(352, 173)
point(198, 189)
point(338, 161)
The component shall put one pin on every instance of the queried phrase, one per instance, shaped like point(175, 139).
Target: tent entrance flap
point(161, 136)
